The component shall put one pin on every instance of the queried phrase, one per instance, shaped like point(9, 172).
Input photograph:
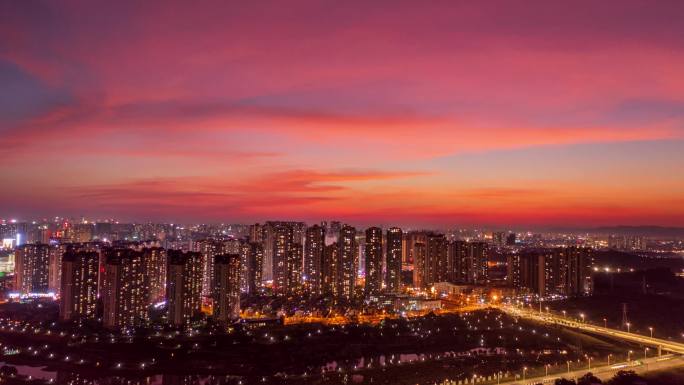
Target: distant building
point(227, 287)
point(626, 243)
point(510, 239)
point(560, 271)
point(78, 299)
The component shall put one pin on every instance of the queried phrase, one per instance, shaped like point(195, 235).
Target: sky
point(497, 113)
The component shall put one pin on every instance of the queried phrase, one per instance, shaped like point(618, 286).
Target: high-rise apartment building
point(254, 269)
point(548, 272)
point(394, 254)
point(209, 248)
point(346, 263)
point(436, 260)
point(282, 238)
point(329, 269)
point(373, 283)
point(124, 289)
point(155, 270)
point(313, 258)
point(478, 261)
point(184, 286)
point(78, 298)
point(32, 262)
point(227, 287)
point(459, 266)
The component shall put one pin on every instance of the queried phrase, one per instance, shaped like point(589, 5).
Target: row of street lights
point(546, 367)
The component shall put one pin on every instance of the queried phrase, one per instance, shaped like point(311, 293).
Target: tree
point(563, 381)
point(625, 377)
point(588, 379)
point(7, 371)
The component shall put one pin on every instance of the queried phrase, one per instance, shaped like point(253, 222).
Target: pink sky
point(446, 112)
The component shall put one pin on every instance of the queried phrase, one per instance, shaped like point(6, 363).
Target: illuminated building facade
point(155, 270)
point(184, 286)
point(78, 298)
point(227, 287)
point(32, 263)
point(394, 257)
point(124, 289)
point(313, 258)
point(373, 283)
point(254, 268)
point(329, 269)
point(346, 265)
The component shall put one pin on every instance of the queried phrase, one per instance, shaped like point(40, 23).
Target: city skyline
point(539, 115)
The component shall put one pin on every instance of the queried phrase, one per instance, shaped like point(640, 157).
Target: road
point(607, 371)
point(665, 345)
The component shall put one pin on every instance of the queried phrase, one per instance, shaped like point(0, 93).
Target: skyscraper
point(184, 286)
point(313, 258)
point(373, 262)
point(394, 257)
point(227, 287)
point(32, 263)
point(459, 267)
point(124, 290)
point(78, 299)
point(346, 267)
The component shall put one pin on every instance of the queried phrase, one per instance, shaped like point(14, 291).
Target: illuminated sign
point(8, 243)
point(49, 295)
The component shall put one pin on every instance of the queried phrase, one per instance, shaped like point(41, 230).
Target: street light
point(628, 325)
point(546, 369)
point(651, 330)
point(605, 323)
point(565, 312)
point(629, 355)
point(645, 350)
point(568, 362)
point(582, 316)
point(609, 358)
point(524, 371)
